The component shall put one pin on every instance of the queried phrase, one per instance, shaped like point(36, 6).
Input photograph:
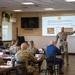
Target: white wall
point(43, 41)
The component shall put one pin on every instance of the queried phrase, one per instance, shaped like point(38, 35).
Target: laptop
point(38, 56)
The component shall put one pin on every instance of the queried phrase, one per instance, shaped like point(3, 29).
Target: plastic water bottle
point(13, 60)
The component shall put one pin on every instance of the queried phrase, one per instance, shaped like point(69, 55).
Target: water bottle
point(13, 60)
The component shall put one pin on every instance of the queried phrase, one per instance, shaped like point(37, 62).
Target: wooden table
point(5, 69)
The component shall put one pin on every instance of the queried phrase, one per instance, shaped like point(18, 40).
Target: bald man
point(63, 44)
point(51, 51)
point(24, 55)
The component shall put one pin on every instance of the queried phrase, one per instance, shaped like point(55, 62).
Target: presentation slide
point(51, 25)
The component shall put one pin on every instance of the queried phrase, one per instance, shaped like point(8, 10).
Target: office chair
point(21, 70)
point(51, 67)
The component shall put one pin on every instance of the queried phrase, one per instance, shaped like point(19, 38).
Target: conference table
point(6, 69)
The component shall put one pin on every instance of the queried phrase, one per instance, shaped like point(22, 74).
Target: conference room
point(40, 21)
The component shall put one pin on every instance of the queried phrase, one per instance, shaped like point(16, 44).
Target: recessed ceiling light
point(17, 10)
point(28, 3)
point(49, 9)
point(69, 0)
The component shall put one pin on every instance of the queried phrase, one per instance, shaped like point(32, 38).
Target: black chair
point(51, 67)
point(36, 64)
point(21, 70)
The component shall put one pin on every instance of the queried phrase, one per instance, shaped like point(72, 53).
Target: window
point(6, 31)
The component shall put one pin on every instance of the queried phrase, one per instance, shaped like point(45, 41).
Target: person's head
point(14, 42)
point(32, 43)
point(52, 42)
point(24, 46)
point(27, 42)
point(62, 29)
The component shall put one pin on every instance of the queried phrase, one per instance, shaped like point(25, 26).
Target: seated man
point(24, 55)
point(32, 49)
point(1, 44)
point(14, 48)
point(51, 51)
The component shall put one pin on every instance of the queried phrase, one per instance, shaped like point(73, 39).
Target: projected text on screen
point(52, 25)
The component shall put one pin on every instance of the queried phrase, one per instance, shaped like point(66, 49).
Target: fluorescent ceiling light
point(69, 0)
point(49, 9)
point(17, 10)
point(28, 3)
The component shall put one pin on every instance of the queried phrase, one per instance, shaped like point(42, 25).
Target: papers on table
point(41, 50)
point(5, 66)
point(38, 56)
point(8, 57)
point(1, 53)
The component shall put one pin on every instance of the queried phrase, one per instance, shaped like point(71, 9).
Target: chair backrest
point(50, 60)
point(23, 67)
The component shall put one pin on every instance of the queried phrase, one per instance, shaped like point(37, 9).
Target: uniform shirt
point(1, 61)
point(51, 50)
point(33, 50)
point(1, 43)
point(13, 49)
point(24, 56)
point(63, 36)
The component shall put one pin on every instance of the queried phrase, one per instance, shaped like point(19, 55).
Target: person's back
point(51, 52)
point(24, 55)
point(1, 44)
point(14, 48)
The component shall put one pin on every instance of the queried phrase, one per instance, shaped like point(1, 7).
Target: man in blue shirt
point(51, 51)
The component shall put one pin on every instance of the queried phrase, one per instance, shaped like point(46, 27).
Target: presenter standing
point(63, 44)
